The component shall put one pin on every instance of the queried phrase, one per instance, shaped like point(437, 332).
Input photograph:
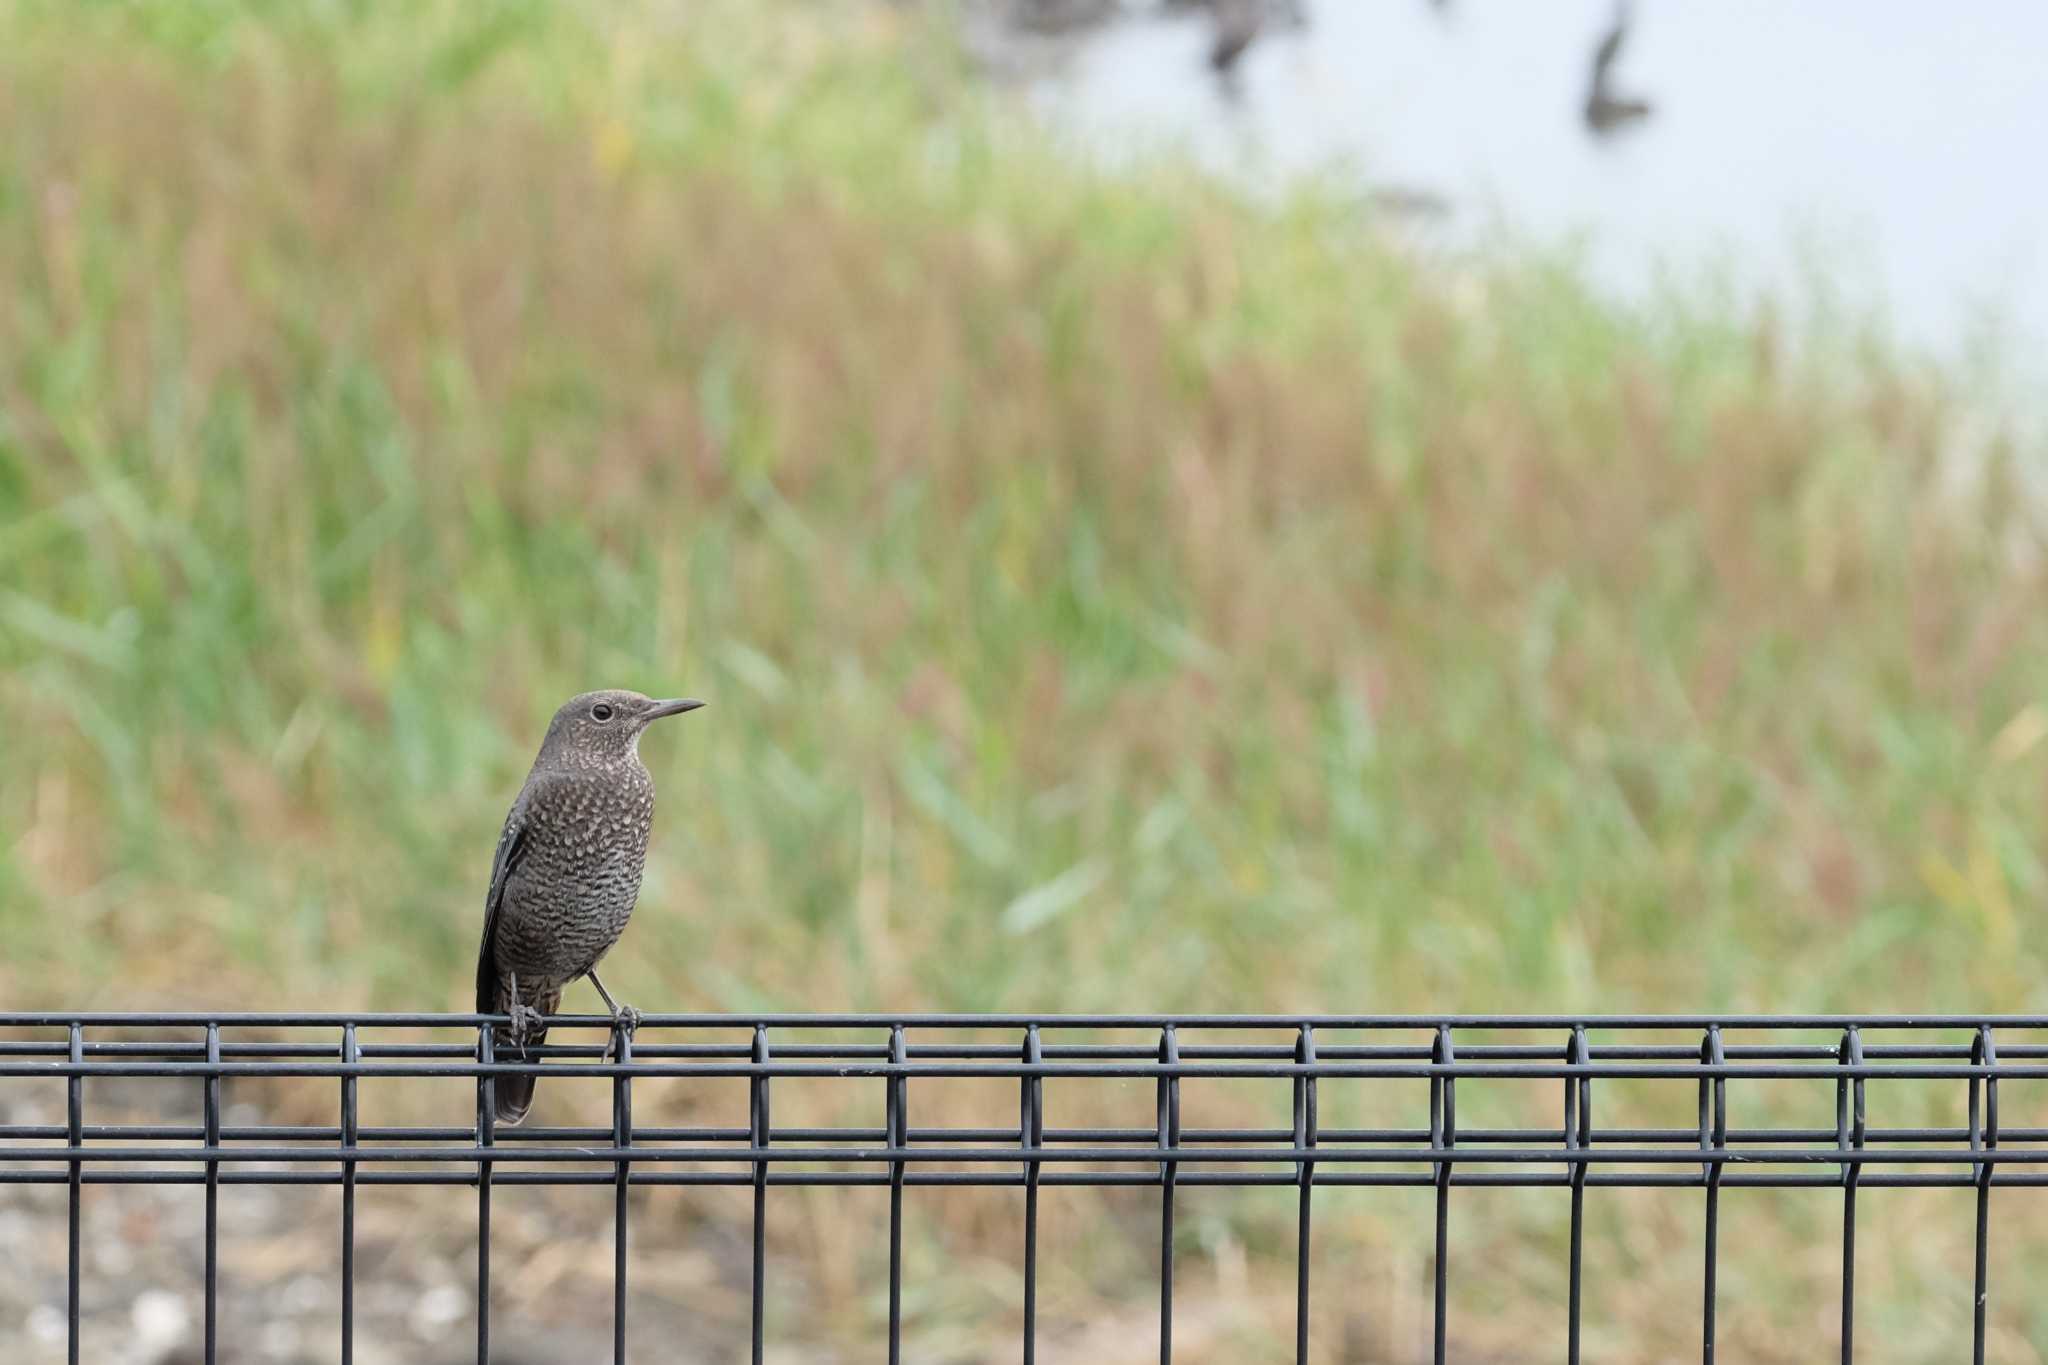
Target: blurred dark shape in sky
point(1606, 109)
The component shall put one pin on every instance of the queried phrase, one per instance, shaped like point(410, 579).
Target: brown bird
point(1237, 27)
point(1607, 110)
point(567, 873)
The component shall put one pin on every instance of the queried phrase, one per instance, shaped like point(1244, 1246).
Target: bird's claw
point(526, 1022)
point(625, 1023)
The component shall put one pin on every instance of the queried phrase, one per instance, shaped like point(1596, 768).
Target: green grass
point(1111, 593)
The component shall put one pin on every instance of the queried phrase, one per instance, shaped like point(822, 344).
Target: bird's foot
point(625, 1022)
point(527, 1022)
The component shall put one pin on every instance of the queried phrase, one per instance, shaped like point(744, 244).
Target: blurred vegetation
point(1113, 592)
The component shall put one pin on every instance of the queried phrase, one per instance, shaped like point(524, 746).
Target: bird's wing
point(511, 848)
point(1610, 46)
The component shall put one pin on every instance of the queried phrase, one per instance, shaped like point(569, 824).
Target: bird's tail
point(513, 1095)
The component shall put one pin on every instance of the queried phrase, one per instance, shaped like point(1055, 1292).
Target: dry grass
point(1110, 592)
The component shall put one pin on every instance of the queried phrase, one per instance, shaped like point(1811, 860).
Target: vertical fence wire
point(899, 1139)
point(1713, 1138)
point(622, 1139)
point(486, 1134)
point(1443, 1135)
point(1304, 1140)
point(74, 1109)
point(351, 1053)
point(212, 1194)
point(1031, 1134)
point(1578, 1135)
point(1983, 1138)
point(1167, 1134)
point(760, 1132)
point(1849, 1130)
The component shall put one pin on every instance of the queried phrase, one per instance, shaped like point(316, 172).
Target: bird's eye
point(601, 712)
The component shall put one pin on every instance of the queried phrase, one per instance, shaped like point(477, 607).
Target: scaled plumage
point(567, 871)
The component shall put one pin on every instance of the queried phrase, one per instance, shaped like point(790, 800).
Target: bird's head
point(604, 727)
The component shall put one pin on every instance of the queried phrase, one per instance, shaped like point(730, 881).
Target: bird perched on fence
point(567, 872)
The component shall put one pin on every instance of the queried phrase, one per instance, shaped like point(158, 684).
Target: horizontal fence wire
point(1313, 1065)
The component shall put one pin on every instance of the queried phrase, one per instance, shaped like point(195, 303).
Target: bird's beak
point(673, 708)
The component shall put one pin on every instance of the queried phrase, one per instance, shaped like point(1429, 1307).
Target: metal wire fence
point(1300, 1063)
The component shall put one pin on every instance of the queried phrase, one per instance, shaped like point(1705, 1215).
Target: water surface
point(1895, 146)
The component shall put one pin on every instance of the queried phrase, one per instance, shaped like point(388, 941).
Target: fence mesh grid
point(1304, 1062)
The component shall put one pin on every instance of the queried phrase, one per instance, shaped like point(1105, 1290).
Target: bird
point(566, 873)
point(1607, 110)
point(1237, 26)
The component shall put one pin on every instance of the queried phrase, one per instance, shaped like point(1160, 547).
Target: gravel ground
point(143, 1257)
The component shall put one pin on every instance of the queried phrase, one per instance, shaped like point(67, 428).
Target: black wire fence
point(1303, 1063)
